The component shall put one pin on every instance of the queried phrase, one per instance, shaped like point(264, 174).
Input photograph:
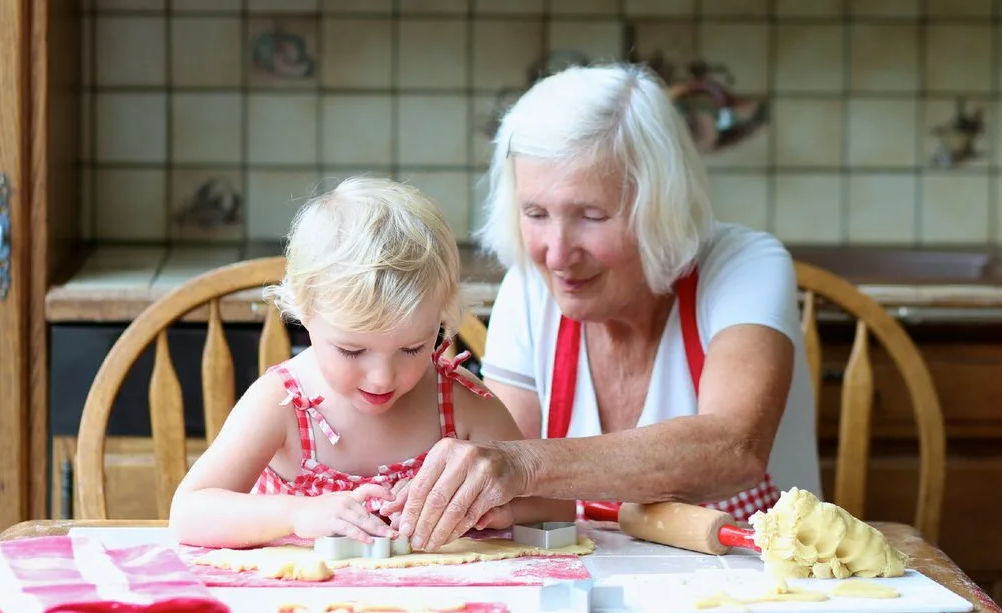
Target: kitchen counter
point(115, 283)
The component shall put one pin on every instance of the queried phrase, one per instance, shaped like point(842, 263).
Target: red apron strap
point(685, 289)
point(565, 377)
point(565, 359)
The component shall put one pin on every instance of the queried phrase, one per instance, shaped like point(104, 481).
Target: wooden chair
point(166, 405)
point(857, 395)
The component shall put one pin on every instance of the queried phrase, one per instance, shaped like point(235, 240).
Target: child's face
point(372, 370)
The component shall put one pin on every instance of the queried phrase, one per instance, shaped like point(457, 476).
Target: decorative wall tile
point(882, 132)
point(282, 52)
point(206, 51)
point(282, 128)
point(954, 209)
point(357, 130)
point(129, 205)
point(207, 128)
point(503, 51)
point(675, 40)
point(809, 208)
point(741, 199)
point(273, 197)
point(958, 58)
point(808, 131)
point(940, 114)
point(451, 190)
point(884, 57)
point(130, 50)
point(357, 53)
point(751, 153)
point(882, 209)
point(809, 58)
point(743, 48)
point(432, 130)
point(206, 204)
point(432, 54)
point(131, 127)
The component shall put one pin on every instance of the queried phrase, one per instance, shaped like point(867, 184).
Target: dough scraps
point(860, 588)
point(802, 537)
point(294, 562)
point(361, 607)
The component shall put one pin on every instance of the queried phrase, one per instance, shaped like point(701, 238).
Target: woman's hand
point(342, 513)
point(391, 508)
point(459, 483)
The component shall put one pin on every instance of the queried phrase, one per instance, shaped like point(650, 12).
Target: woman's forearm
point(696, 459)
point(220, 518)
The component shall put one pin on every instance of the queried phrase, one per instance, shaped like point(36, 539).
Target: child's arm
point(212, 506)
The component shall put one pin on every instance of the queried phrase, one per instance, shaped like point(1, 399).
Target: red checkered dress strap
point(759, 498)
point(446, 375)
point(305, 411)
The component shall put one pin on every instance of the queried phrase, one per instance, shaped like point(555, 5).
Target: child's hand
point(497, 518)
point(342, 513)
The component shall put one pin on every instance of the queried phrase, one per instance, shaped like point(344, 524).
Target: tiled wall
point(406, 88)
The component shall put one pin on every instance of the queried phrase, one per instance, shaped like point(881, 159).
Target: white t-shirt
point(745, 277)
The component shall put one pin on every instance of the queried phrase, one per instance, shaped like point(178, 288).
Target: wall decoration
point(957, 137)
point(281, 53)
point(215, 203)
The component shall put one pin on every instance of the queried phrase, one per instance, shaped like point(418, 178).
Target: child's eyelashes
point(357, 352)
point(349, 354)
point(414, 350)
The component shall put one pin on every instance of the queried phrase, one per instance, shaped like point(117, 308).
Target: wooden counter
point(115, 283)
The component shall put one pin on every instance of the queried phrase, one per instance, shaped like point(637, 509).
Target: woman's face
point(578, 235)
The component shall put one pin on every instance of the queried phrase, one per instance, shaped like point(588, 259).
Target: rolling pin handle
point(732, 536)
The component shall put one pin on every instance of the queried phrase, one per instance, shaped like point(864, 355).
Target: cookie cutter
point(581, 596)
point(344, 547)
point(546, 535)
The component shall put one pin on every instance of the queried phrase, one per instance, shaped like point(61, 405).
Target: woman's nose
point(560, 249)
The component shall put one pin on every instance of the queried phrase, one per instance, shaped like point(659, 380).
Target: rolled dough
point(294, 562)
point(860, 588)
point(802, 537)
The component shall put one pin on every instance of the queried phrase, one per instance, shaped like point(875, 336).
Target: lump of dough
point(802, 537)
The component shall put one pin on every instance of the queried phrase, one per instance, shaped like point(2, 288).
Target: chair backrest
point(853, 455)
point(166, 404)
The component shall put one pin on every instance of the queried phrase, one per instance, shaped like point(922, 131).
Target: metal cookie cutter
point(546, 535)
point(343, 547)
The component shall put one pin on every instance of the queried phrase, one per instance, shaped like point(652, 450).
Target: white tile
point(433, 130)
point(797, 9)
point(131, 127)
point(734, 8)
point(451, 190)
point(206, 51)
point(808, 132)
point(809, 58)
point(130, 205)
point(130, 50)
point(809, 208)
point(884, 57)
point(479, 188)
point(282, 128)
point(584, 7)
point(885, 8)
point(882, 133)
point(273, 197)
point(741, 198)
point(672, 8)
point(129, 5)
point(419, 7)
point(882, 209)
point(357, 6)
point(357, 130)
point(231, 6)
point(522, 7)
point(487, 111)
point(357, 53)
point(503, 50)
point(601, 41)
point(954, 209)
point(283, 53)
point(958, 58)
point(283, 6)
point(674, 39)
point(433, 53)
point(743, 48)
point(958, 8)
point(206, 128)
point(223, 189)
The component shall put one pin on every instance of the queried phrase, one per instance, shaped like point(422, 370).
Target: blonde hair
point(366, 255)
point(597, 116)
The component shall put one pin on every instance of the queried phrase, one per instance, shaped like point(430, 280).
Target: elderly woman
point(647, 352)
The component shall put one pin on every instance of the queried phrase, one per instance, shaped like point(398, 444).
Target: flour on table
point(295, 562)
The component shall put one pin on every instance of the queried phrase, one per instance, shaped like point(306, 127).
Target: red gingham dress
point(315, 478)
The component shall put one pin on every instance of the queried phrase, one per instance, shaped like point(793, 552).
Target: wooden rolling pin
point(685, 526)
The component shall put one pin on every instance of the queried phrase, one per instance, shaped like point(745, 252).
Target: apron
point(564, 381)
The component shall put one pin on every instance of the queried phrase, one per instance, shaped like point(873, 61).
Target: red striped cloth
point(62, 574)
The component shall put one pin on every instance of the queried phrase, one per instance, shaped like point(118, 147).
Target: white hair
point(619, 114)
